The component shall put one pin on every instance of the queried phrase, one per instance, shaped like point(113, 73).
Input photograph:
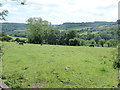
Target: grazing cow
point(91, 45)
point(20, 43)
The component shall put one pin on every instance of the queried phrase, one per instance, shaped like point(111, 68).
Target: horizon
point(64, 22)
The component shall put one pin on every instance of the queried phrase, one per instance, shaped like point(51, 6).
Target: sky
point(60, 11)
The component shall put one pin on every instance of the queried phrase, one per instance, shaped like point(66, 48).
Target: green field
point(33, 65)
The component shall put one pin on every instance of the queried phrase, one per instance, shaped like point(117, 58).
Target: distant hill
point(67, 25)
point(97, 27)
point(22, 26)
point(13, 26)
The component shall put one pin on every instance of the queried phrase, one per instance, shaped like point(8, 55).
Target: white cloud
point(59, 11)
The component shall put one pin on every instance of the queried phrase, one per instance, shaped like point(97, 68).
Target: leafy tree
point(70, 35)
point(4, 13)
point(88, 42)
point(82, 42)
point(109, 43)
point(93, 41)
point(38, 27)
point(102, 42)
point(62, 39)
point(71, 42)
point(53, 37)
point(113, 42)
point(90, 36)
point(97, 38)
point(74, 42)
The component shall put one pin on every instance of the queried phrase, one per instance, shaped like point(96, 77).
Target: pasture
point(33, 65)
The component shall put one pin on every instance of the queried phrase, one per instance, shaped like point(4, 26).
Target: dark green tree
point(82, 42)
point(62, 39)
point(113, 42)
point(70, 35)
point(109, 43)
point(97, 38)
point(93, 42)
point(71, 42)
point(102, 42)
point(74, 42)
point(53, 37)
point(37, 29)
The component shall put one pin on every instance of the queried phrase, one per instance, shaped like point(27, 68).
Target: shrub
point(20, 40)
point(116, 63)
point(74, 42)
point(6, 38)
point(82, 42)
point(71, 42)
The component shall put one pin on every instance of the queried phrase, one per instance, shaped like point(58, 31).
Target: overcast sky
point(59, 11)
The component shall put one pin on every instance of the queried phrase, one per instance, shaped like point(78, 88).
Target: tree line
point(42, 32)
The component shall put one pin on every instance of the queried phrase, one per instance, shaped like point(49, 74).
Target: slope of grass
point(79, 28)
point(30, 64)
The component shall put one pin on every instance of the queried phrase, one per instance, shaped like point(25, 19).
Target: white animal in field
point(67, 68)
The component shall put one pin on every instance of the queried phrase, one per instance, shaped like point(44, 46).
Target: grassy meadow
point(55, 66)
